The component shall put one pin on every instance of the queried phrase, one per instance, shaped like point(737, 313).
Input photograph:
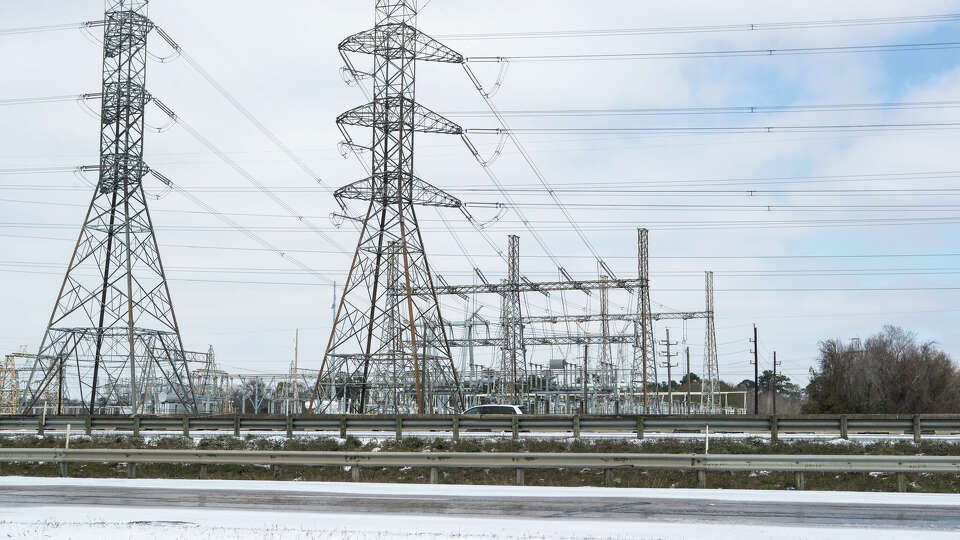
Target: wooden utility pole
point(583, 407)
point(756, 373)
point(688, 381)
point(668, 344)
point(773, 384)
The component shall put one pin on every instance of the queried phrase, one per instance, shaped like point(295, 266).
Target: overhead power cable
point(743, 27)
point(247, 175)
point(729, 53)
point(47, 99)
point(48, 28)
point(533, 167)
point(742, 109)
point(566, 256)
point(494, 324)
point(907, 126)
point(260, 126)
point(236, 226)
point(600, 183)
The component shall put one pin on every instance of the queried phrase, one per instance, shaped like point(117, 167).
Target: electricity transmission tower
point(388, 345)
point(644, 368)
point(9, 386)
point(709, 398)
point(113, 321)
point(512, 352)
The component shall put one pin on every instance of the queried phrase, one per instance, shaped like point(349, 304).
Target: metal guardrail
point(840, 425)
point(701, 463)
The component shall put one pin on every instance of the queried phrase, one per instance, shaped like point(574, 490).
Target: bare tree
point(891, 373)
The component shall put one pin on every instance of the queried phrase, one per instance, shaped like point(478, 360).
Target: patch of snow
point(832, 497)
point(97, 523)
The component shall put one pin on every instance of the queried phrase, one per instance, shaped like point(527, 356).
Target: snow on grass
point(77, 522)
point(98, 523)
point(498, 492)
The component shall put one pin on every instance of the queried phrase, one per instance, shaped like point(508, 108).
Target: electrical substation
point(113, 344)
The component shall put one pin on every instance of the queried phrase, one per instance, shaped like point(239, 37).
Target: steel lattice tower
point(644, 368)
point(711, 370)
point(513, 358)
point(113, 321)
point(388, 345)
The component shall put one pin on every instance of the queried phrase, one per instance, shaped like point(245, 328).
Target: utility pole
point(756, 372)
point(668, 344)
point(773, 384)
point(688, 381)
point(296, 367)
point(586, 348)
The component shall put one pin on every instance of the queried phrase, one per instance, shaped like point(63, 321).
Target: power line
point(738, 290)
point(742, 109)
point(743, 27)
point(246, 175)
point(48, 28)
point(235, 103)
point(561, 256)
point(533, 167)
point(812, 128)
point(731, 53)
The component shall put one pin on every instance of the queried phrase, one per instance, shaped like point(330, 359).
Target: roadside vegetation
point(553, 477)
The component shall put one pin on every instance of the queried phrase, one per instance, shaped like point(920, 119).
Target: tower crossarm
point(531, 286)
point(595, 317)
point(390, 114)
point(528, 341)
point(418, 192)
point(400, 40)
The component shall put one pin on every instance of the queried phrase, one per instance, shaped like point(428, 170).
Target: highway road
point(700, 506)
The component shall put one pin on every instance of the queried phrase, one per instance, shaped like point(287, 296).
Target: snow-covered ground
point(86, 523)
point(99, 522)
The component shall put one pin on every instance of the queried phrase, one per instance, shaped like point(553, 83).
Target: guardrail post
point(202, 474)
point(640, 427)
point(64, 470)
point(343, 427)
point(236, 425)
point(136, 427)
point(916, 428)
point(41, 423)
point(434, 475)
point(520, 478)
point(608, 477)
point(702, 479)
point(515, 424)
point(355, 473)
point(456, 428)
point(799, 482)
point(87, 424)
point(576, 426)
point(774, 429)
point(399, 428)
point(901, 482)
point(131, 470)
point(186, 426)
point(289, 427)
point(843, 427)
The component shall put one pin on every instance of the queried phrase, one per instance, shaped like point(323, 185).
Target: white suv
point(494, 409)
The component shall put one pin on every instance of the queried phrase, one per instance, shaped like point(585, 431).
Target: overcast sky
point(280, 61)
